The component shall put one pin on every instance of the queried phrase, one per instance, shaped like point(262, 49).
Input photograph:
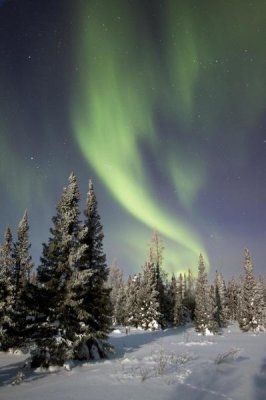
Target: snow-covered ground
point(175, 364)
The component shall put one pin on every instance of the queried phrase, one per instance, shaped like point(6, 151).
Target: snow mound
point(68, 365)
point(117, 331)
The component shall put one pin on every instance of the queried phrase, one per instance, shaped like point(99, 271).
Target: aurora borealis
point(161, 103)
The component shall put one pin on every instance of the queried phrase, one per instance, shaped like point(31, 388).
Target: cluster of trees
point(149, 299)
point(63, 309)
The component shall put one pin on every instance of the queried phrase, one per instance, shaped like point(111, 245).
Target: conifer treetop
point(90, 185)
point(201, 264)
point(8, 235)
point(24, 221)
point(248, 265)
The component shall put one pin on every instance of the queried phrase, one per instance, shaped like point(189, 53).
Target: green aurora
point(164, 99)
point(125, 75)
point(114, 117)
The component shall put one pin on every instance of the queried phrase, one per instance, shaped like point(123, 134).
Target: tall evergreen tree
point(7, 290)
point(156, 259)
point(189, 296)
point(115, 283)
point(23, 259)
point(248, 312)
point(259, 303)
point(240, 291)
point(177, 307)
point(202, 304)
point(221, 310)
point(95, 294)
point(94, 256)
point(120, 310)
point(18, 266)
point(264, 292)
point(213, 305)
point(133, 303)
point(171, 297)
point(232, 295)
point(57, 276)
point(149, 313)
point(19, 333)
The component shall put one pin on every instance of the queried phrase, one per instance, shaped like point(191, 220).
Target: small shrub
point(227, 356)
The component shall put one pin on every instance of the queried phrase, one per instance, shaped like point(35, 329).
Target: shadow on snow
point(260, 382)
point(9, 372)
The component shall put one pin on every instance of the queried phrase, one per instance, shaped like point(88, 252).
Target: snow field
point(164, 365)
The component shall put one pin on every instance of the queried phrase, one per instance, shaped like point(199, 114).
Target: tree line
point(66, 307)
point(150, 299)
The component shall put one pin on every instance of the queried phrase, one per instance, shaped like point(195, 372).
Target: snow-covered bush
point(227, 356)
point(19, 378)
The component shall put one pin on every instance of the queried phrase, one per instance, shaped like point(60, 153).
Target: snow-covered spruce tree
point(120, 310)
point(7, 290)
point(156, 259)
point(180, 315)
point(171, 295)
point(264, 295)
point(248, 318)
point(259, 303)
point(19, 333)
point(132, 302)
point(240, 290)
point(202, 304)
point(149, 313)
point(184, 286)
point(115, 283)
point(212, 309)
point(189, 296)
point(96, 296)
point(232, 295)
point(24, 262)
point(175, 315)
point(221, 309)
point(58, 310)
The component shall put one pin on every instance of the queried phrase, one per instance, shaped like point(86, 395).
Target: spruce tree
point(264, 291)
point(213, 305)
point(149, 313)
point(57, 277)
point(259, 303)
point(179, 307)
point(156, 259)
point(120, 310)
point(7, 290)
point(23, 259)
point(93, 292)
point(133, 301)
point(221, 310)
point(202, 304)
point(19, 333)
point(115, 283)
point(189, 297)
point(94, 256)
point(171, 296)
point(248, 312)
point(232, 295)
point(117, 295)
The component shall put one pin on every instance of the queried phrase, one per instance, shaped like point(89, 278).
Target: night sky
point(161, 103)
